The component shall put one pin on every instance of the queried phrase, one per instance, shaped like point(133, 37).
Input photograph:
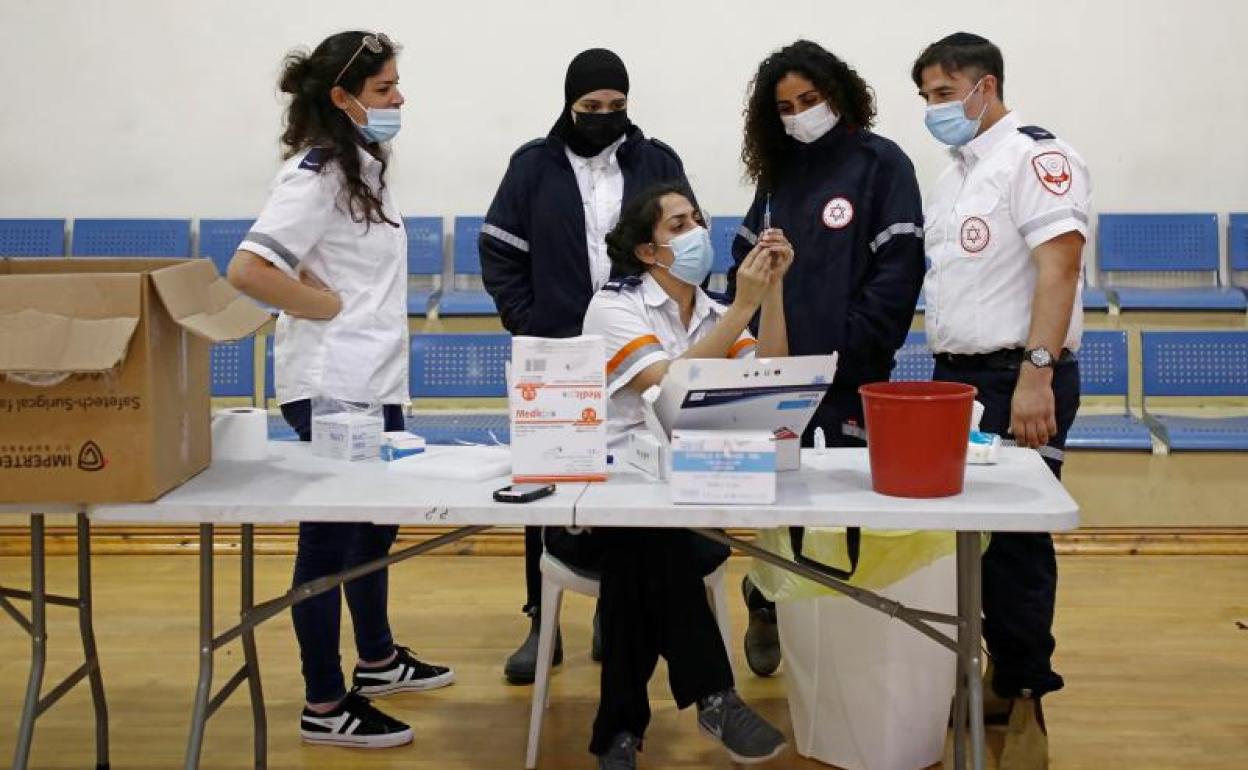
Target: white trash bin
point(867, 692)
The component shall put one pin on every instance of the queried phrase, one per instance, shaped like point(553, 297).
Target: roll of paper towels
point(240, 434)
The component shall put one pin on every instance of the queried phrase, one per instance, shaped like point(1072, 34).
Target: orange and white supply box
point(104, 375)
point(558, 400)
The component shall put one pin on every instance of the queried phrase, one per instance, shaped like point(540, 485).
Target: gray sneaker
point(622, 755)
point(749, 738)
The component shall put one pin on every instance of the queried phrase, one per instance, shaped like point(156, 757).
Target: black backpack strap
point(853, 544)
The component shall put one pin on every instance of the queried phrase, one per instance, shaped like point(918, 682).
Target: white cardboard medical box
point(723, 466)
point(558, 403)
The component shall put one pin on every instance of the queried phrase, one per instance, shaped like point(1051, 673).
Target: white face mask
point(811, 124)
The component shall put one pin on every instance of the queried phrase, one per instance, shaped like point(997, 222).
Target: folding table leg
point(38, 644)
point(252, 660)
point(86, 628)
point(203, 690)
point(969, 575)
point(961, 702)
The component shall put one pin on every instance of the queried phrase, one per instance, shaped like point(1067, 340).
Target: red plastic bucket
point(917, 434)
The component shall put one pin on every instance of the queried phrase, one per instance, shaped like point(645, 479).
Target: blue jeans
point(327, 548)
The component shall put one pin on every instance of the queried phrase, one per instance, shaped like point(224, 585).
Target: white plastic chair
point(557, 577)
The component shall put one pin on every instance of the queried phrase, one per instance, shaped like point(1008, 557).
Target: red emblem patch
point(1053, 171)
point(975, 235)
point(838, 213)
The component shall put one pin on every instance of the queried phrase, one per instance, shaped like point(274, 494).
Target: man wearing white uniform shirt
point(1005, 229)
point(542, 246)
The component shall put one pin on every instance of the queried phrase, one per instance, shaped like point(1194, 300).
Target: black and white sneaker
point(404, 674)
point(355, 723)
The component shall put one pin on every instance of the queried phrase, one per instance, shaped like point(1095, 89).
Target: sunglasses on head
point(374, 43)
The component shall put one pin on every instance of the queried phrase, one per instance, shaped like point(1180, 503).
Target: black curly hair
point(638, 218)
point(312, 120)
point(765, 140)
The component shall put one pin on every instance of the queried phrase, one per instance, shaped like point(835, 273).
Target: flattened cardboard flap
point(36, 341)
point(204, 303)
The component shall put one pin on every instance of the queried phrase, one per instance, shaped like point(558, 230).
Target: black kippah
point(963, 38)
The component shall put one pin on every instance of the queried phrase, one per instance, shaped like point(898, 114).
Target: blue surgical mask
point(950, 125)
point(382, 125)
point(692, 256)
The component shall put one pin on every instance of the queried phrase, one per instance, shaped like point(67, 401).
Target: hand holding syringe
point(778, 247)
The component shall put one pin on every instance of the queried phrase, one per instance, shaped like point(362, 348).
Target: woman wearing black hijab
point(543, 245)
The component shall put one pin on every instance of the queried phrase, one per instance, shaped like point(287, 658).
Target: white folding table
point(833, 489)
point(294, 486)
point(36, 626)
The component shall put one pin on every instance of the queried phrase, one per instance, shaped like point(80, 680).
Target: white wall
point(163, 108)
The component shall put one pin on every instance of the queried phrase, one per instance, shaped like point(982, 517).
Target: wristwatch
point(1039, 357)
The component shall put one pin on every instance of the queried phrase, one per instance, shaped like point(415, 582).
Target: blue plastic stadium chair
point(231, 369)
point(914, 359)
point(1095, 299)
point(219, 239)
point(466, 296)
point(723, 231)
point(1103, 372)
point(1163, 262)
point(32, 237)
point(460, 366)
point(270, 384)
point(279, 429)
point(1197, 364)
point(169, 238)
point(424, 263)
point(1237, 250)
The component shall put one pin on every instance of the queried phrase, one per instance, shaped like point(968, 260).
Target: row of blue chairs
point(1145, 261)
point(218, 239)
point(1198, 365)
point(1193, 364)
point(442, 366)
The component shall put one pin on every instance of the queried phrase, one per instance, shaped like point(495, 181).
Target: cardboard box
point(347, 435)
point(558, 409)
point(723, 466)
point(788, 450)
point(395, 445)
point(647, 453)
point(104, 389)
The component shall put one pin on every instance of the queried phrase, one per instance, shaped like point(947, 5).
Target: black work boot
point(521, 667)
point(762, 637)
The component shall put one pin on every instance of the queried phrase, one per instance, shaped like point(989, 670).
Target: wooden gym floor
point(1155, 663)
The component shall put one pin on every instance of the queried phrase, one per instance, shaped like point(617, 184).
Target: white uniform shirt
point(362, 354)
point(601, 182)
point(641, 325)
point(1005, 194)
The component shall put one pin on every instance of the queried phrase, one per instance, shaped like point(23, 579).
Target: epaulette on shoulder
point(621, 283)
point(315, 159)
point(1037, 133)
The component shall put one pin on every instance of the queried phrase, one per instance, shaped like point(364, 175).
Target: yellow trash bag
point(885, 556)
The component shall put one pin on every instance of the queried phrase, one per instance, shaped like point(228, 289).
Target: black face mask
point(599, 129)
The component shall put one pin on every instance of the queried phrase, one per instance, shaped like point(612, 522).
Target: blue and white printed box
point(723, 466)
point(395, 445)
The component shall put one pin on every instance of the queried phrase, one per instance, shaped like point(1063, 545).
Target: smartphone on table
point(523, 493)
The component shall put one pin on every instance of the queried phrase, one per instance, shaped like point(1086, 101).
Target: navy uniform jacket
point(849, 203)
point(534, 260)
